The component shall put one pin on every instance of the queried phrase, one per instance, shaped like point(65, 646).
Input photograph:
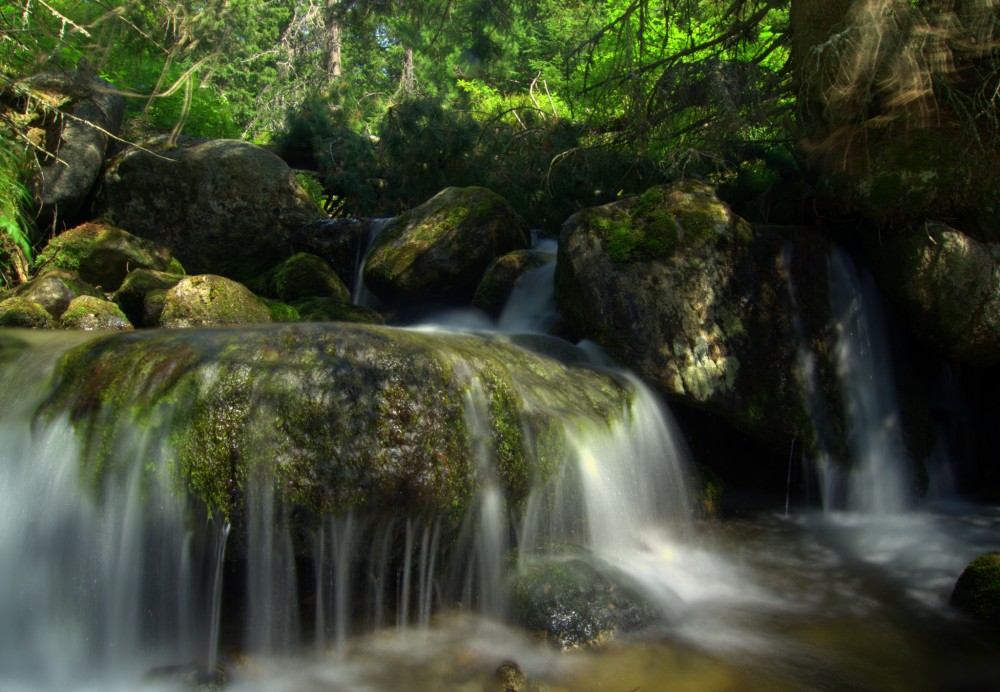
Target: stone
point(977, 590)
point(208, 300)
point(89, 313)
point(22, 312)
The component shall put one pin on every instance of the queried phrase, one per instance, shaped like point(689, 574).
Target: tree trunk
point(334, 41)
point(407, 80)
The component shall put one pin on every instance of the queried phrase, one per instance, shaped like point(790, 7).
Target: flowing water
point(129, 587)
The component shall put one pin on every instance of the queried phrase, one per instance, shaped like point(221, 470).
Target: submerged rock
point(208, 300)
point(977, 590)
point(438, 251)
point(575, 604)
point(222, 206)
point(707, 309)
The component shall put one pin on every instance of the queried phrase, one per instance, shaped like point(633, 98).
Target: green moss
point(977, 590)
point(21, 312)
point(282, 312)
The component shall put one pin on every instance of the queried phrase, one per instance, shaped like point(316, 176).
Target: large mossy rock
point(710, 311)
point(103, 255)
point(977, 590)
point(222, 206)
point(573, 602)
point(437, 252)
point(54, 290)
point(209, 300)
point(948, 285)
point(77, 143)
point(334, 416)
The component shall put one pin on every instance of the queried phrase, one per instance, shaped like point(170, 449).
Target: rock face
point(207, 300)
point(103, 255)
point(438, 251)
point(948, 285)
point(78, 142)
point(977, 590)
point(222, 206)
point(335, 416)
point(705, 308)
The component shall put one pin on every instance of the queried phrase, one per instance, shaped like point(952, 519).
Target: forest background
point(555, 104)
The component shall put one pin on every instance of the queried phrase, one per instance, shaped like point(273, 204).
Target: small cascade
point(360, 295)
point(531, 307)
point(879, 481)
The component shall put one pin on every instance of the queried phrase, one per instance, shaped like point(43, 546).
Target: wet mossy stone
point(437, 252)
point(302, 275)
point(103, 255)
point(334, 416)
point(977, 590)
point(707, 309)
point(208, 300)
point(501, 277)
point(333, 310)
point(132, 296)
point(574, 602)
point(89, 313)
point(54, 289)
point(21, 312)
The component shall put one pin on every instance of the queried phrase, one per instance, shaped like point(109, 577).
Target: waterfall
point(879, 480)
point(360, 295)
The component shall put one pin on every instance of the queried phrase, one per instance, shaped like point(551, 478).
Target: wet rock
point(89, 313)
point(103, 255)
point(573, 603)
point(437, 252)
point(223, 207)
point(302, 275)
point(948, 285)
point(709, 310)
point(333, 310)
point(22, 312)
point(977, 590)
point(206, 300)
point(54, 289)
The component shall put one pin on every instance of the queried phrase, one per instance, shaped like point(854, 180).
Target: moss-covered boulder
point(977, 590)
point(503, 274)
point(103, 255)
point(222, 206)
point(438, 251)
point(206, 300)
point(89, 313)
point(142, 294)
point(710, 311)
point(575, 602)
point(333, 310)
point(302, 275)
point(948, 285)
point(22, 312)
point(334, 416)
point(54, 289)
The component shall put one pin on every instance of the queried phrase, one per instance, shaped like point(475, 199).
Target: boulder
point(341, 242)
point(22, 312)
point(302, 275)
point(77, 141)
point(977, 590)
point(712, 312)
point(205, 300)
point(948, 285)
point(142, 294)
point(224, 207)
point(103, 255)
point(54, 289)
point(574, 603)
point(501, 277)
point(437, 252)
point(336, 416)
point(89, 313)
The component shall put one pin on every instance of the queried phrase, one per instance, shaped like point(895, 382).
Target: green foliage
point(16, 229)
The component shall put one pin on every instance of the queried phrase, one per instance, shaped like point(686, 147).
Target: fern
point(15, 198)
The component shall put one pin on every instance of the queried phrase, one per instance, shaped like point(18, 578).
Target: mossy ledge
point(340, 416)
